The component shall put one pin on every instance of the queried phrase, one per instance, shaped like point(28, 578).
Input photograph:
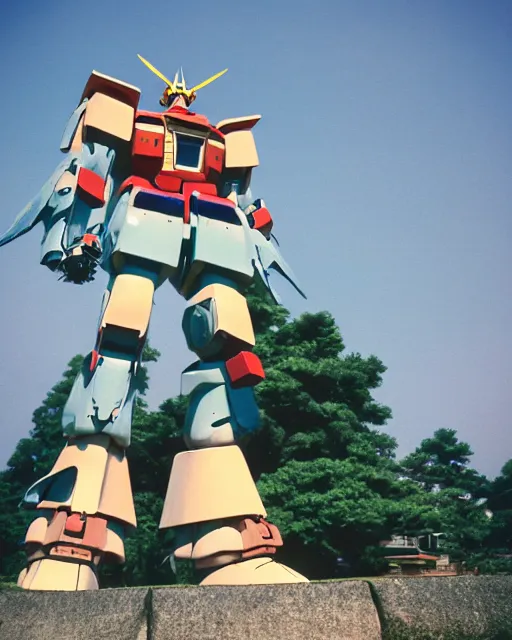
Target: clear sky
point(386, 155)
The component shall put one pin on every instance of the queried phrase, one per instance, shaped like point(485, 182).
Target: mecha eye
point(64, 192)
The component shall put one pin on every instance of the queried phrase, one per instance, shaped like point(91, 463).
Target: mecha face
point(170, 99)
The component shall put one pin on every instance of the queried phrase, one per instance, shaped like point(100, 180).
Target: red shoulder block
point(91, 187)
point(245, 370)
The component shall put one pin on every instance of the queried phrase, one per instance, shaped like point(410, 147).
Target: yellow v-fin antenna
point(203, 84)
point(160, 75)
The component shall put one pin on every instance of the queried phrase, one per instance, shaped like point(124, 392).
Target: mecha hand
point(80, 264)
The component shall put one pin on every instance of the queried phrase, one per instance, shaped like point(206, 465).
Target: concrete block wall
point(459, 608)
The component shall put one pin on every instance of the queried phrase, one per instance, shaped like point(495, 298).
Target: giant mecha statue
point(151, 197)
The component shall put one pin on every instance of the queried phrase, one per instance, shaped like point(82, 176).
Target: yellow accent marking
point(157, 73)
point(203, 84)
point(168, 164)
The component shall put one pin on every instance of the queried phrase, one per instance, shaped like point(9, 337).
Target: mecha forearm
point(76, 214)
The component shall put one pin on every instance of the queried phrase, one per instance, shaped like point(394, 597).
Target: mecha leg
point(84, 508)
point(85, 504)
point(212, 500)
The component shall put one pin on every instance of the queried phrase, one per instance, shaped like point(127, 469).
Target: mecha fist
point(80, 264)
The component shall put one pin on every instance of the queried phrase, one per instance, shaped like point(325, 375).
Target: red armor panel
point(245, 370)
point(214, 158)
point(148, 143)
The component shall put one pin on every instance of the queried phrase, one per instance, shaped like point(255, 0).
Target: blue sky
point(386, 150)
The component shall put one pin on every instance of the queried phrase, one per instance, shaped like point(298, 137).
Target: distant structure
point(406, 557)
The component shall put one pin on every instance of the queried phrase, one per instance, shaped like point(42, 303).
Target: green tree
point(500, 491)
point(33, 457)
point(327, 476)
point(455, 491)
point(500, 504)
point(443, 462)
point(415, 511)
point(496, 556)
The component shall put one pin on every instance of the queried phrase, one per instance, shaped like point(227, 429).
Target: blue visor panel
point(188, 152)
point(160, 203)
point(216, 211)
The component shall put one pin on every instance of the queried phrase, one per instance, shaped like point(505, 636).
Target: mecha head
point(176, 92)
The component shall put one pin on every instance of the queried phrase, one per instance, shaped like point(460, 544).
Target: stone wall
point(459, 608)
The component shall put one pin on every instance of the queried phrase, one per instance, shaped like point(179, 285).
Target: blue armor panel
point(219, 239)
point(149, 225)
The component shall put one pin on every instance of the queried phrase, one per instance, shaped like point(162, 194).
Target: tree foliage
point(442, 462)
point(440, 467)
point(327, 476)
point(500, 503)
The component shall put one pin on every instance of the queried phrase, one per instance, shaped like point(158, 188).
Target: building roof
point(418, 556)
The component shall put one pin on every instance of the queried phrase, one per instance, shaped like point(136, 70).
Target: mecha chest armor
point(177, 147)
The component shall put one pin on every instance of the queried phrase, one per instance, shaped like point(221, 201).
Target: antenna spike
point(203, 84)
point(157, 73)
